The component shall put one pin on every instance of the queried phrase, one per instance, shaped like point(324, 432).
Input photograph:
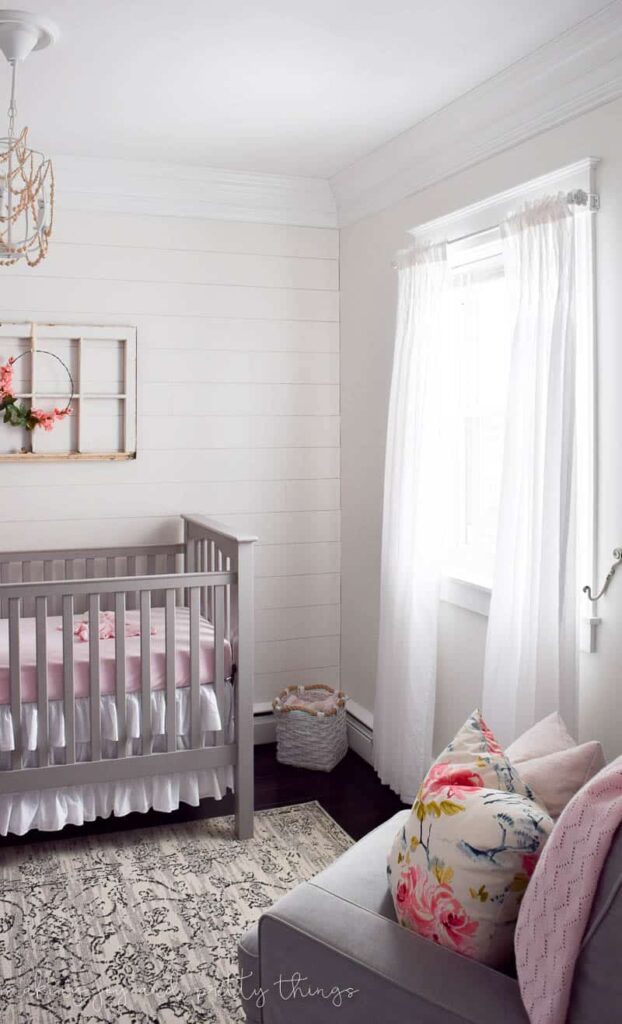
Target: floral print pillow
point(460, 865)
point(475, 745)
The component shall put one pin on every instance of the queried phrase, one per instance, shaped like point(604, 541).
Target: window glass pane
point(480, 351)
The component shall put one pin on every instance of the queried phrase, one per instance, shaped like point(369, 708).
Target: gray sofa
point(331, 950)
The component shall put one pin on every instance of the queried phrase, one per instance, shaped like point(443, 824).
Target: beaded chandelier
point(26, 176)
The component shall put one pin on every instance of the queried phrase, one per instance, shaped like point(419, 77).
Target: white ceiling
point(300, 87)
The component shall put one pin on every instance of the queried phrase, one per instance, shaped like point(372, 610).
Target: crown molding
point(568, 76)
point(92, 184)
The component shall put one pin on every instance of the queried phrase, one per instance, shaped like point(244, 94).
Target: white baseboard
point(264, 728)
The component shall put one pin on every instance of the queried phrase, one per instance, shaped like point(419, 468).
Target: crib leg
point(244, 794)
point(244, 779)
point(245, 757)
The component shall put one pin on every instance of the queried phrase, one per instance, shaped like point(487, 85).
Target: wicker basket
point(311, 726)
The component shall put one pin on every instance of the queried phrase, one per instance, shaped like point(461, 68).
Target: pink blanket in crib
point(107, 656)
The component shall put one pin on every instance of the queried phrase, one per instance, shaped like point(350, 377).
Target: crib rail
point(216, 582)
point(86, 563)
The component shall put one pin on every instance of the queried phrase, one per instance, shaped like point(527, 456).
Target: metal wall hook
point(617, 554)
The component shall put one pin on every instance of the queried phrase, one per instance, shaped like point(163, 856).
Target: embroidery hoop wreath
point(16, 414)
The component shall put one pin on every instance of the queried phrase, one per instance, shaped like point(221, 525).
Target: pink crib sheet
point(107, 657)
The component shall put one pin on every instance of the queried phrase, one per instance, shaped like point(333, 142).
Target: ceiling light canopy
point(26, 175)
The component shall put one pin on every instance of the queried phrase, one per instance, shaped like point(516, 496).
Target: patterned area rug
point(142, 927)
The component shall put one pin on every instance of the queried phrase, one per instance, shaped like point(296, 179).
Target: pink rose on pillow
point(491, 743)
point(433, 911)
point(453, 779)
point(529, 861)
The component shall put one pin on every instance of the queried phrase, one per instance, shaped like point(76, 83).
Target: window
point(478, 379)
point(479, 347)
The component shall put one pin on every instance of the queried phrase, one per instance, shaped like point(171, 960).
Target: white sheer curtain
point(413, 537)
point(530, 666)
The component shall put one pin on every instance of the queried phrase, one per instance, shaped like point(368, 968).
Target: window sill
point(475, 597)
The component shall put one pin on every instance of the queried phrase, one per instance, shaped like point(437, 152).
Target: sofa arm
point(323, 958)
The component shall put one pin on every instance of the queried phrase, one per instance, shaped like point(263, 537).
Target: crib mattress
point(107, 656)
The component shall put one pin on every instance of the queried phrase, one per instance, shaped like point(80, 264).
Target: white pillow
point(556, 777)
point(545, 737)
point(553, 764)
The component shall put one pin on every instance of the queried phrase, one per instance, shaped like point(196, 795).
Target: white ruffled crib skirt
point(52, 809)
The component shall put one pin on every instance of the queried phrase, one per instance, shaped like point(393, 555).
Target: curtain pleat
point(414, 526)
point(530, 664)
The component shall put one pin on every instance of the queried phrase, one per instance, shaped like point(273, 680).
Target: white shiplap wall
point(238, 408)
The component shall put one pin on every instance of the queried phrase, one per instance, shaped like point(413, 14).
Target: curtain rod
point(576, 198)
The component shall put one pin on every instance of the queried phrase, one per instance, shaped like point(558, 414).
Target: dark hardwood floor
point(352, 794)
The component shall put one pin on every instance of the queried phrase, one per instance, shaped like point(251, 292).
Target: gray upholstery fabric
point(340, 935)
point(597, 987)
point(248, 958)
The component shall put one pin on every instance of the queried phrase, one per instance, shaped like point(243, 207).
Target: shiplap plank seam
point(266, 300)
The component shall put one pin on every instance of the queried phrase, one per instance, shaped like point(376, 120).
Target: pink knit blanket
point(557, 904)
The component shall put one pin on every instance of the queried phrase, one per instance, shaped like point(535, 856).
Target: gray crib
point(210, 573)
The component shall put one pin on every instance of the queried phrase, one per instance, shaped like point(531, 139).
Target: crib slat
point(228, 601)
point(202, 567)
point(131, 571)
point(42, 680)
point(4, 578)
point(219, 656)
point(27, 603)
point(151, 565)
point(169, 642)
point(15, 674)
point(191, 556)
point(195, 695)
point(170, 566)
point(48, 574)
point(211, 565)
point(119, 663)
point(68, 681)
point(190, 564)
point(145, 670)
point(111, 571)
point(95, 689)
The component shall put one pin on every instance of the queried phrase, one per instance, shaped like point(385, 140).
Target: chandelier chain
point(13, 100)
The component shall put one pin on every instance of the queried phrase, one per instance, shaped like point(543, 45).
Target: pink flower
point(48, 419)
point(491, 744)
point(529, 861)
point(44, 419)
point(433, 911)
point(6, 380)
point(456, 779)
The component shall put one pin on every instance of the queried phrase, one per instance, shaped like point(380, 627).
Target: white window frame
point(36, 335)
point(482, 220)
